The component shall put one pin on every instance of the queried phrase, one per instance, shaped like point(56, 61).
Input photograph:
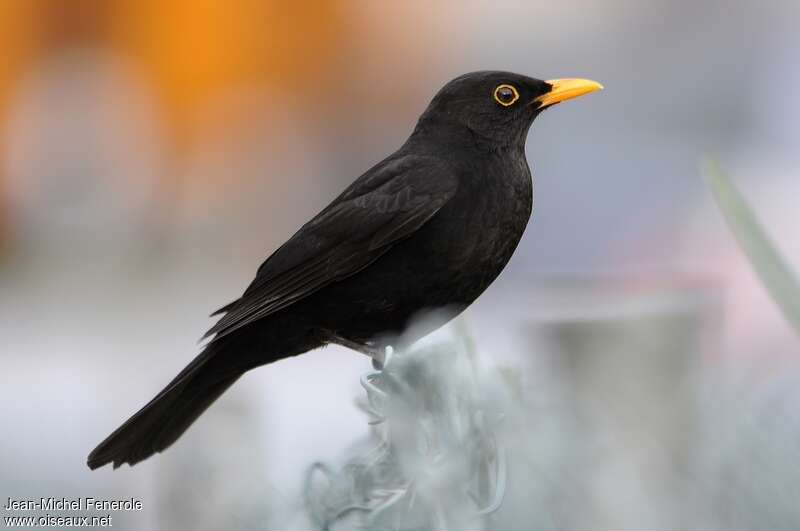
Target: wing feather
point(384, 206)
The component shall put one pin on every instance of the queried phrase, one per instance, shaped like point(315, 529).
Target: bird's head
point(496, 107)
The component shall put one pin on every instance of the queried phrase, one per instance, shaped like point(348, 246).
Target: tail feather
point(167, 416)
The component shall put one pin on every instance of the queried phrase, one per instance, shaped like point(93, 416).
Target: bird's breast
point(472, 239)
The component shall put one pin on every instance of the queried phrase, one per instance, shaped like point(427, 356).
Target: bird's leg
point(372, 350)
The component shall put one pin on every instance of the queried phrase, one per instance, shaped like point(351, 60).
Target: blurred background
point(153, 153)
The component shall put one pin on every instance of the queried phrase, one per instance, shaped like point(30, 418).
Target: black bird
point(429, 227)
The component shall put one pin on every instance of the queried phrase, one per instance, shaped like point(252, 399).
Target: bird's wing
point(385, 205)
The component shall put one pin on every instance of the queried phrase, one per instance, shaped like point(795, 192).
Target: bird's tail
point(159, 424)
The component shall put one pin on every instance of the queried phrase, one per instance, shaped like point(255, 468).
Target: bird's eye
point(505, 95)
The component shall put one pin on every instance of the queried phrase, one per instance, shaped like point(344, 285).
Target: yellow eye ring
point(506, 95)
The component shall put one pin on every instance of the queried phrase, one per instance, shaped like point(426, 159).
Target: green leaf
point(775, 274)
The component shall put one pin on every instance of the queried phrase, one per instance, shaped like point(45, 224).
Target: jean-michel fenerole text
point(72, 504)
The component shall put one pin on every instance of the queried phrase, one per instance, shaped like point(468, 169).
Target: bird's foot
point(381, 357)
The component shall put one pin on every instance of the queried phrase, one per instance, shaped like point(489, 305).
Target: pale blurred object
point(626, 363)
point(776, 277)
point(755, 330)
point(437, 459)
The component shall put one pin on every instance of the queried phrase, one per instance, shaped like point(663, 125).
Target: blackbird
point(427, 228)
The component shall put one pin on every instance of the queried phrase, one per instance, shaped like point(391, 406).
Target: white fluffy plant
point(437, 460)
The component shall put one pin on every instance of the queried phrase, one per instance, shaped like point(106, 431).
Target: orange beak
point(565, 89)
